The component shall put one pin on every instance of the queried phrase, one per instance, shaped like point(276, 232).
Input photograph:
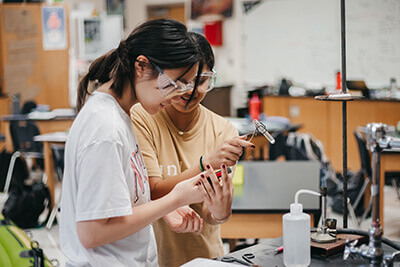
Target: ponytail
point(101, 71)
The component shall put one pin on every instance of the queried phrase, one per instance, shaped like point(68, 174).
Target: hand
point(189, 191)
point(184, 220)
point(219, 194)
point(228, 153)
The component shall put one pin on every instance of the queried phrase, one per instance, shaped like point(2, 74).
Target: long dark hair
point(165, 42)
point(205, 48)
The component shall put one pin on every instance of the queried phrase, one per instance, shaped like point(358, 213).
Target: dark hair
point(206, 51)
point(165, 42)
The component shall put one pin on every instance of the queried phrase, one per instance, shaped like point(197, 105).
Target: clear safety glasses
point(170, 88)
point(209, 76)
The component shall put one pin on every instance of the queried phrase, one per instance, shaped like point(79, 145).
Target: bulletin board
point(25, 67)
point(300, 40)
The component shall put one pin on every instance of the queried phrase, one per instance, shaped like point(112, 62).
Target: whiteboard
point(300, 40)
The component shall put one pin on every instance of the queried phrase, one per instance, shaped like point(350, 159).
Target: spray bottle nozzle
point(296, 196)
point(297, 207)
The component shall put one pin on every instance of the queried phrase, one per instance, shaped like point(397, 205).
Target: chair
point(366, 172)
point(22, 133)
point(58, 157)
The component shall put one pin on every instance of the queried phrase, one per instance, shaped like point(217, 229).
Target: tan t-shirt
point(167, 153)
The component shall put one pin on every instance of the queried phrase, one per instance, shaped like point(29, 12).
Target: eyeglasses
point(209, 75)
point(170, 88)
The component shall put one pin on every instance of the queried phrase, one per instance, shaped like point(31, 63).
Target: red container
point(254, 107)
point(213, 32)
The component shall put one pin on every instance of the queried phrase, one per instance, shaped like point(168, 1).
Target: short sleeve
point(147, 144)
point(226, 130)
point(102, 188)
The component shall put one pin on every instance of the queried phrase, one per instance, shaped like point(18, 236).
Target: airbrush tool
point(260, 127)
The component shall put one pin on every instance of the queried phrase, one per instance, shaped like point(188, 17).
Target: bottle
point(296, 234)
point(16, 106)
point(393, 86)
point(338, 81)
point(254, 107)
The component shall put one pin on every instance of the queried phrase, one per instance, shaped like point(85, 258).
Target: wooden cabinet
point(323, 119)
point(24, 66)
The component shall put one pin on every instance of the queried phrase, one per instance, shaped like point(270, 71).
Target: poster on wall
point(54, 28)
point(116, 7)
point(207, 7)
point(91, 47)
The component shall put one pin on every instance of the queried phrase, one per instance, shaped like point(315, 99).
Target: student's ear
point(141, 64)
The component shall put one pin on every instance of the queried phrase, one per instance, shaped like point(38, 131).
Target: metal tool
point(376, 142)
point(248, 257)
point(233, 259)
point(263, 129)
point(323, 235)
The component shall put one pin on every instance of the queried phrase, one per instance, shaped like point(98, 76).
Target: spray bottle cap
point(296, 208)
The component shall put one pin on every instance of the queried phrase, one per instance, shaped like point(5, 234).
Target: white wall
point(301, 40)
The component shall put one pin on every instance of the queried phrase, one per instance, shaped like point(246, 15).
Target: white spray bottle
point(296, 233)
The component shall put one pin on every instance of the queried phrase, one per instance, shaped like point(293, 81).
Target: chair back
point(22, 133)
point(364, 154)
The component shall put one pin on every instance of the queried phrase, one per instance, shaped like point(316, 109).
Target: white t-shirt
point(104, 177)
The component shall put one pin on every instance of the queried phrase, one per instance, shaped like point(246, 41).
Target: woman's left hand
point(184, 220)
point(219, 195)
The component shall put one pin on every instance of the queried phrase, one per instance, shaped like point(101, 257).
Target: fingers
point(225, 176)
point(207, 187)
point(185, 223)
point(200, 229)
point(213, 179)
point(191, 223)
point(197, 223)
point(242, 143)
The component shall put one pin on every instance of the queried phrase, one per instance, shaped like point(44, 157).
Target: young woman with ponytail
point(106, 212)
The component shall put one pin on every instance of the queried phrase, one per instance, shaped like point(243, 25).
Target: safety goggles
point(170, 88)
point(211, 76)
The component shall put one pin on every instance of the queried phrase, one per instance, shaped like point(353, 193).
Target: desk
point(390, 162)
point(47, 140)
point(323, 120)
point(266, 194)
point(265, 256)
point(58, 123)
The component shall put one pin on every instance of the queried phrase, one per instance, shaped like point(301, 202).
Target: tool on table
point(233, 259)
point(278, 250)
point(323, 235)
point(248, 257)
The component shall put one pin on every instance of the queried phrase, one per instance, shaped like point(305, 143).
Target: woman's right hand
point(228, 153)
point(184, 220)
point(190, 191)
